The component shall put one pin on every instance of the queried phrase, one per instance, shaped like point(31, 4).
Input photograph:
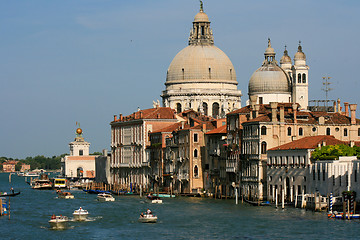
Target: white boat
point(80, 214)
point(156, 201)
point(148, 218)
point(105, 197)
point(58, 222)
point(31, 174)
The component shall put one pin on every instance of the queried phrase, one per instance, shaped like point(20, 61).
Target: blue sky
point(86, 60)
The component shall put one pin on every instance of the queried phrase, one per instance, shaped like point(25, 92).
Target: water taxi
point(60, 183)
point(58, 222)
point(43, 182)
point(154, 199)
point(66, 195)
point(105, 197)
point(80, 214)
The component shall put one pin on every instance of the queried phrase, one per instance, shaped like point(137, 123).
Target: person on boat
point(53, 216)
point(12, 190)
point(148, 211)
point(142, 215)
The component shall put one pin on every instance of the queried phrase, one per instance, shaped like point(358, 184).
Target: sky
point(63, 62)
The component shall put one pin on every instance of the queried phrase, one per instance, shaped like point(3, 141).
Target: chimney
point(182, 125)
point(204, 127)
point(141, 115)
point(294, 107)
point(334, 106)
point(158, 115)
point(257, 108)
point(120, 117)
point(346, 106)
point(115, 118)
point(104, 152)
point(282, 113)
point(353, 113)
point(273, 106)
point(338, 108)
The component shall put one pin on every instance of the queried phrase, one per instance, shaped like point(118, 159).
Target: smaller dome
point(285, 58)
point(269, 78)
point(201, 17)
point(269, 50)
point(299, 55)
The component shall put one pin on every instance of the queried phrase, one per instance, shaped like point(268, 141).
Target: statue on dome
point(201, 6)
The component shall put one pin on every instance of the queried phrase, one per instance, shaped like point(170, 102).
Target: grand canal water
point(179, 218)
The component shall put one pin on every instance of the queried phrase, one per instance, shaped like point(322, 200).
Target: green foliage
point(18, 166)
point(334, 151)
point(41, 162)
point(96, 153)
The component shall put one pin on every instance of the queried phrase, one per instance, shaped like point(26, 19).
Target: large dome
point(201, 63)
point(269, 78)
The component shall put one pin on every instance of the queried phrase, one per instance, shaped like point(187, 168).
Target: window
point(215, 110)
point(314, 129)
point(333, 178)
point(196, 171)
point(345, 132)
point(183, 74)
point(299, 78)
point(195, 153)
point(300, 131)
point(205, 108)
point(263, 130)
point(304, 179)
point(328, 131)
point(195, 137)
point(209, 73)
point(289, 131)
point(202, 30)
point(261, 101)
point(339, 180)
point(178, 107)
point(314, 174)
point(263, 148)
point(358, 131)
point(303, 78)
point(81, 152)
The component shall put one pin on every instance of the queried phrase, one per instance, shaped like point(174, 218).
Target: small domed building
point(285, 83)
point(201, 76)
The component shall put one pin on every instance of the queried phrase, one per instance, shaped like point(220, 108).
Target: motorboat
point(58, 222)
point(105, 197)
point(80, 214)
point(43, 182)
point(154, 199)
point(148, 218)
point(66, 195)
point(31, 174)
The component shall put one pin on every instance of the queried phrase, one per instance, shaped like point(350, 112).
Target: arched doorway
point(79, 172)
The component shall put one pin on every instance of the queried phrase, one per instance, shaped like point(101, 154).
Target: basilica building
point(201, 76)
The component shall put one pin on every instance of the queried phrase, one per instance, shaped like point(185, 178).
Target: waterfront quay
point(179, 218)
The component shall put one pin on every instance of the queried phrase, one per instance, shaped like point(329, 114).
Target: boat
point(80, 214)
point(60, 183)
point(32, 174)
point(154, 199)
point(257, 203)
point(340, 215)
point(164, 195)
point(41, 183)
point(5, 194)
point(148, 218)
point(66, 195)
point(105, 197)
point(96, 191)
point(58, 222)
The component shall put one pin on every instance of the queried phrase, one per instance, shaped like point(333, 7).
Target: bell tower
point(300, 79)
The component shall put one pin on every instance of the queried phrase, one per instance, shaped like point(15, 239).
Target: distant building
point(79, 164)
point(9, 165)
point(25, 167)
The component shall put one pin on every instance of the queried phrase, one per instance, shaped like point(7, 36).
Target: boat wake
point(88, 219)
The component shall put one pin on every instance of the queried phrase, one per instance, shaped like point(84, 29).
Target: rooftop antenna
point(326, 88)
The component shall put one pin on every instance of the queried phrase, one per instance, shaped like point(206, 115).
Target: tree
point(333, 152)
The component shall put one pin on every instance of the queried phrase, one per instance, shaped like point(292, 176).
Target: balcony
point(183, 176)
point(231, 165)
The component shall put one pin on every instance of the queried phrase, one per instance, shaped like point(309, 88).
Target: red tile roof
point(309, 143)
point(151, 113)
point(219, 130)
point(171, 128)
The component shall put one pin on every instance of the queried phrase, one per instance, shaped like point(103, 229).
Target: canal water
point(178, 218)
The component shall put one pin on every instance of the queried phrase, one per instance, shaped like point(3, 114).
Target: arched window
point(196, 171)
point(205, 108)
point(304, 78)
point(328, 132)
point(263, 148)
point(358, 131)
point(195, 153)
point(299, 78)
point(345, 132)
point(289, 131)
point(178, 107)
point(263, 130)
point(300, 131)
point(215, 110)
